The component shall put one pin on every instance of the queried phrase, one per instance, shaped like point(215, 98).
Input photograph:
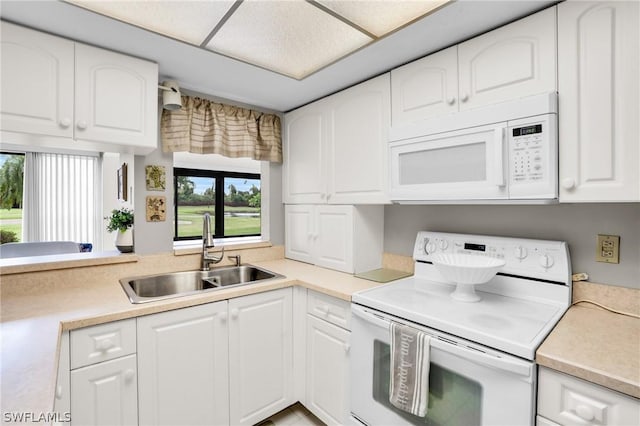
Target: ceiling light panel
point(290, 37)
point(380, 17)
point(189, 21)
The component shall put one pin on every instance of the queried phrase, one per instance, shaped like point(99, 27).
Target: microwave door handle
point(520, 368)
point(499, 156)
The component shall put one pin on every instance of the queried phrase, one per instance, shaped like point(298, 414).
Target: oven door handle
point(520, 368)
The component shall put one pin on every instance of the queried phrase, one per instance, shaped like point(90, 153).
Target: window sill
point(19, 265)
point(182, 248)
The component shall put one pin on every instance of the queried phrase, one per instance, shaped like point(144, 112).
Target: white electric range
point(482, 370)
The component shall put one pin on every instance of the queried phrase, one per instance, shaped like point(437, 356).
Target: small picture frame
point(156, 178)
point(122, 182)
point(156, 209)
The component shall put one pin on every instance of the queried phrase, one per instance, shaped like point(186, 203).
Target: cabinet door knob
point(59, 392)
point(129, 375)
point(347, 347)
point(223, 316)
point(585, 412)
point(465, 97)
point(323, 195)
point(568, 183)
point(451, 100)
point(82, 125)
point(328, 196)
point(324, 310)
point(65, 122)
point(104, 345)
point(234, 313)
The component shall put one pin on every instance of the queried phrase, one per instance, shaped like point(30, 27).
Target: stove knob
point(443, 244)
point(430, 248)
point(546, 261)
point(520, 252)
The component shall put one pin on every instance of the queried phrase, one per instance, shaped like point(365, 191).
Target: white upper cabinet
point(335, 149)
point(511, 62)
point(598, 63)
point(357, 166)
point(115, 98)
point(425, 88)
point(65, 95)
point(299, 221)
point(305, 139)
point(37, 82)
point(514, 61)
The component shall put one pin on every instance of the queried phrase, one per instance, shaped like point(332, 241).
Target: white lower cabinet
point(327, 358)
point(184, 372)
point(568, 401)
point(105, 393)
point(260, 355)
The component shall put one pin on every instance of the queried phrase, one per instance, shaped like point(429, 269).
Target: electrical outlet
point(608, 249)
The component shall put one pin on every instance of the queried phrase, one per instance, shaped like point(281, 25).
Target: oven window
point(458, 163)
point(453, 399)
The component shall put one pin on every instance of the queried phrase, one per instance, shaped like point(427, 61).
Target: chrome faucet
point(207, 243)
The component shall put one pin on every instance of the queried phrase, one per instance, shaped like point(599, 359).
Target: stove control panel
point(548, 260)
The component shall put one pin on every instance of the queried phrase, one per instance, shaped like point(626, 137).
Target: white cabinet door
point(333, 237)
point(357, 160)
point(37, 82)
point(62, 402)
point(183, 372)
point(260, 355)
point(598, 51)
point(570, 401)
point(299, 232)
point(514, 61)
point(305, 139)
point(115, 98)
point(425, 88)
point(105, 393)
point(327, 371)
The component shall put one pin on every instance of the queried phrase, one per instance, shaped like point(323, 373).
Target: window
point(11, 185)
point(232, 199)
point(61, 192)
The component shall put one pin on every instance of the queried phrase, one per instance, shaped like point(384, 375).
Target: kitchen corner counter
point(596, 345)
point(37, 307)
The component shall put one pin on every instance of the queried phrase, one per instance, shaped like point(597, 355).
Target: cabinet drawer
point(568, 400)
point(102, 342)
point(335, 311)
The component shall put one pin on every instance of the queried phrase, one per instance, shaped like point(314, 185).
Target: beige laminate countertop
point(596, 345)
point(32, 322)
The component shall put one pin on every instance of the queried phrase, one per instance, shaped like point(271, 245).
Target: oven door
point(461, 165)
point(466, 386)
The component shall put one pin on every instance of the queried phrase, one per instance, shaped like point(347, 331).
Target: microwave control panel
point(533, 153)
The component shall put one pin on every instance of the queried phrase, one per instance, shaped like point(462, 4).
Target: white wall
point(578, 224)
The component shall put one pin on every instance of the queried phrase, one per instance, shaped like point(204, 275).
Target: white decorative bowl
point(466, 271)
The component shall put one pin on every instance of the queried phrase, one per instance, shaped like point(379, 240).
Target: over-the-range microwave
point(504, 153)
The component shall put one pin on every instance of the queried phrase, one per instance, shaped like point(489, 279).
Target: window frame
point(219, 176)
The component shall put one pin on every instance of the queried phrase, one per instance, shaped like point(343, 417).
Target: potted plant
point(121, 221)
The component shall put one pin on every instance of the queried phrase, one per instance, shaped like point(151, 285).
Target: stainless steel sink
point(157, 287)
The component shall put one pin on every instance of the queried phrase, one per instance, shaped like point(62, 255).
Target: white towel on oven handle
point(409, 384)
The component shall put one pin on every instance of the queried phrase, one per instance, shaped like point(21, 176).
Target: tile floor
point(296, 415)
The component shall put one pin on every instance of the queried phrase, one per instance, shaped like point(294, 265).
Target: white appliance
point(482, 369)
point(503, 153)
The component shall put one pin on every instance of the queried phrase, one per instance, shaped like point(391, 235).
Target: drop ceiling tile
point(290, 37)
point(189, 21)
point(380, 17)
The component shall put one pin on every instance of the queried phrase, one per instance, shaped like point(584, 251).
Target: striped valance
point(206, 127)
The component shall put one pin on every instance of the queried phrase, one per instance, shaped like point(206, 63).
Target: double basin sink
point(164, 286)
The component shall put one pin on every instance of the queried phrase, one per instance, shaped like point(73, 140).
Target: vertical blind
point(61, 198)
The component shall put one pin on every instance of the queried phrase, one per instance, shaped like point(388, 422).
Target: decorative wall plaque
point(156, 209)
point(156, 178)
